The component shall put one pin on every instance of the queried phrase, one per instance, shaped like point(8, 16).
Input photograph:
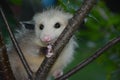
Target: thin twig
point(90, 59)
point(14, 41)
point(5, 69)
point(64, 38)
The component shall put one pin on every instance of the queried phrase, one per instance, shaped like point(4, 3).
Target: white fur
point(30, 42)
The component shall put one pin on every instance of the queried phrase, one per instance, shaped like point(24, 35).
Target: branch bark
point(5, 69)
point(64, 38)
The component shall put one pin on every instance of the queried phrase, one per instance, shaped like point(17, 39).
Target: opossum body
point(48, 26)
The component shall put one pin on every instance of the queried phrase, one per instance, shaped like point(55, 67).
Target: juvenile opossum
point(48, 26)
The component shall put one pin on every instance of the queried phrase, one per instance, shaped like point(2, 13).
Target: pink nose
point(46, 39)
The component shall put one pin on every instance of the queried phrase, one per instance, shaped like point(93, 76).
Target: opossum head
point(49, 25)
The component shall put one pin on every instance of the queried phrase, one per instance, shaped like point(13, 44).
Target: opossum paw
point(57, 73)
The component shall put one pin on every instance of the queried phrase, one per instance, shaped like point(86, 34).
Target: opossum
point(49, 25)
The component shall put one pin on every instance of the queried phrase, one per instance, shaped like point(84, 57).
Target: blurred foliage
point(15, 2)
point(70, 5)
point(100, 26)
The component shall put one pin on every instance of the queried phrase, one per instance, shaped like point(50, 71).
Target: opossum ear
point(28, 24)
point(69, 16)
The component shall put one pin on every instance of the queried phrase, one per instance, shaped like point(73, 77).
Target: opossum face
point(49, 25)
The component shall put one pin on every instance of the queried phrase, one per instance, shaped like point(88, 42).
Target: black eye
point(57, 25)
point(41, 26)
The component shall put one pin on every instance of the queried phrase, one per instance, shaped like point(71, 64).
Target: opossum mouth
point(52, 41)
point(49, 42)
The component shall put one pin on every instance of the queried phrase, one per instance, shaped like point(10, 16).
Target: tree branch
point(90, 59)
point(64, 38)
point(14, 41)
point(5, 69)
